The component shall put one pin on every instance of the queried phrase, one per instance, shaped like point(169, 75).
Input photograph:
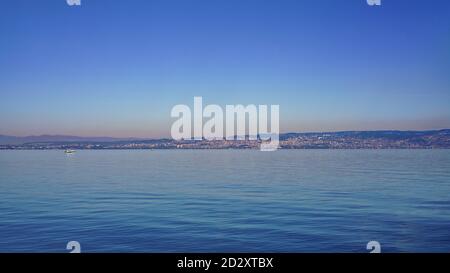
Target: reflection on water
point(225, 200)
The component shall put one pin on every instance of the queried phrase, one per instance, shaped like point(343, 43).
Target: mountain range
point(16, 140)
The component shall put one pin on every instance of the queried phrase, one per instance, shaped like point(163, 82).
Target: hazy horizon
point(162, 137)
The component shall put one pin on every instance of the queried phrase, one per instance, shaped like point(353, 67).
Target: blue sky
point(116, 68)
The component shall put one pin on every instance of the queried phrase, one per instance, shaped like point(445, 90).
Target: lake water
point(225, 200)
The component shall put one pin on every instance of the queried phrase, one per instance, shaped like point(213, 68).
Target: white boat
point(69, 151)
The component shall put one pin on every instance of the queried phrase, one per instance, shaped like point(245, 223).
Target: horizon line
point(168, 137)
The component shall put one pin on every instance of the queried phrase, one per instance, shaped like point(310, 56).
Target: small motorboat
point(69, 151)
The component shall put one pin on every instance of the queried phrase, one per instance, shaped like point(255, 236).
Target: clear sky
point(116, 68)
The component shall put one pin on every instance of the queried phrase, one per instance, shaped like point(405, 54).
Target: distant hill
point(386, 134)
point(14, 140)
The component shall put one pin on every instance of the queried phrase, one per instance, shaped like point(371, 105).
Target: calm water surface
point(225, 200)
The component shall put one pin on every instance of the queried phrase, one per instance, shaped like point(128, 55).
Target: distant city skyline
point(415, 126)
point(116, 69)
